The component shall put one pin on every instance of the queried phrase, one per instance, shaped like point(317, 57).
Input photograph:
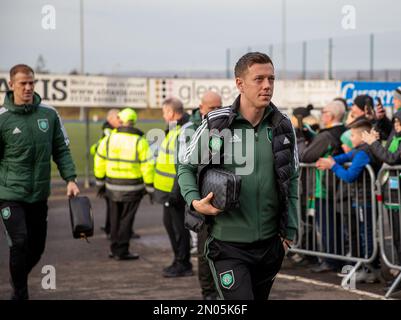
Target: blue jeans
point(362, 216)
point(330, 229)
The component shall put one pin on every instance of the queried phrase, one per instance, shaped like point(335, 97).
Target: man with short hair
point(328, 139)
point(247, 244)
point(363, 108)
point(167, 191)
point(112, 122)
point(327, 143)
point(31, 133)
point(112, 119)
point(210, 101)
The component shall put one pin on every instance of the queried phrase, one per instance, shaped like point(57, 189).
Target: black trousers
point(26, 230)
point(245, 271)
point(173, 219)
point(205, 276)
point(122, 215)
point(107, 221)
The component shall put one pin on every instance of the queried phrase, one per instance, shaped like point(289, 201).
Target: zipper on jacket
point(33, 155)
point(256, 135)
point(258, 158)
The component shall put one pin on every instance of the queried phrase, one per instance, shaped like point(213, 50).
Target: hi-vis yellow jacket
point(165, 182)
point(165, 171)
point(124, 161)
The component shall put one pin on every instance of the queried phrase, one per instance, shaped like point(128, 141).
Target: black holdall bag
point(226, 187)
point(81, 217)
point(224, 184)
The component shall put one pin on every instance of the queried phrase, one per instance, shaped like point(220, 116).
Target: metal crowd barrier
point(340, 223)
point(389, 208)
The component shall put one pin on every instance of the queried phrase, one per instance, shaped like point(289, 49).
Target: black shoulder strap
point(220, 119)
point(217, 120)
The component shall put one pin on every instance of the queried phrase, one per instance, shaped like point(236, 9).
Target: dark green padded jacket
point(30, 135)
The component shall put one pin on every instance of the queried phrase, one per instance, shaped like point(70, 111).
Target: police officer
point(167, 190)
point(124, 163)
point(31, 133)
point(247, 244)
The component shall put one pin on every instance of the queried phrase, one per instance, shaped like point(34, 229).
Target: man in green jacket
point(30, 135)
point(247, 244)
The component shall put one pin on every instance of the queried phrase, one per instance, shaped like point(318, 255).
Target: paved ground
point(83, 270)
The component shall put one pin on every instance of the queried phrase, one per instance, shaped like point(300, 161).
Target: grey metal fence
point(337, 220)
point(389, 209)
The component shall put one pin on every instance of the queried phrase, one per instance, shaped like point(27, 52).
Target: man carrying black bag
point(31, 133)
point(248, 243)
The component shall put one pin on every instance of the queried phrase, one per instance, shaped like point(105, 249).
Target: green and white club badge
point(43, 124)
point(227, 279)
point(6, 213)
point(215, 143)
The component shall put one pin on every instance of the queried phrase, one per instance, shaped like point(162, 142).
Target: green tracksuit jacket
point(30, 135)
point(257, 218)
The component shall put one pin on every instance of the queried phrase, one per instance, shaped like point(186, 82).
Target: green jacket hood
point(26, 108)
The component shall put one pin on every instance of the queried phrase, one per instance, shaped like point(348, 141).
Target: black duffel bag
point(226, 187)
point(224, 184)
point(81, 217)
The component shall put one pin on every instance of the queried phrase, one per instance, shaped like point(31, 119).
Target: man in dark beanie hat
point(363, 109)
point(363, 102)
point(305, 125)
point(302, 112)
point(301, 115)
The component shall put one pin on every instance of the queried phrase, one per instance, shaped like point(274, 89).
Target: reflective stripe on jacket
point(125, 160)
point(165, 171)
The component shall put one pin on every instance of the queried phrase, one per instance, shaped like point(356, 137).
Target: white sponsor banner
point(190, 91)
point(299, 93)
point(287, 94)
point(87, 91)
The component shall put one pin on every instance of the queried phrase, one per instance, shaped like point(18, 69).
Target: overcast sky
point(161, 35)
